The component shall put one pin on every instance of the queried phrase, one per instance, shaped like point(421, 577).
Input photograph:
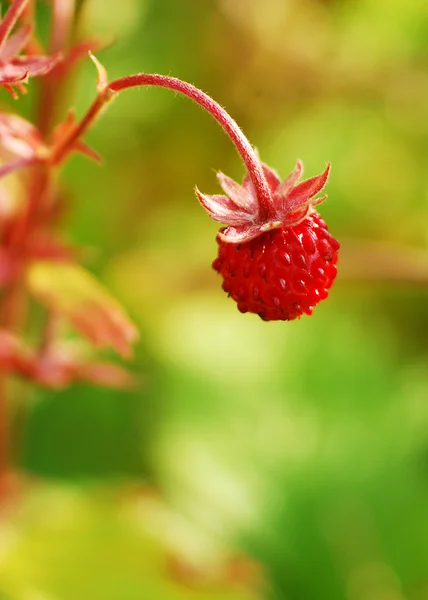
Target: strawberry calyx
point(239, 209)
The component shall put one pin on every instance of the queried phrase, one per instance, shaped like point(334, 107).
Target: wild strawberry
point(276, 256)
point(277, 263)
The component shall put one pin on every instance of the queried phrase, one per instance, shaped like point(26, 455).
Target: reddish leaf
point(74, 293)
point(16, 43)
point(107, 375)
point(15, 70)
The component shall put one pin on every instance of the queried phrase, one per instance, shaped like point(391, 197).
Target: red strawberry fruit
point(278, 262)
point(276, 256)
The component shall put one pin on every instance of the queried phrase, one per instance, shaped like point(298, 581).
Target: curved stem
point(229, 125)
point(243, 146)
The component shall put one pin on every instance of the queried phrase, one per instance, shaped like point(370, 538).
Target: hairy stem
point(241, 143)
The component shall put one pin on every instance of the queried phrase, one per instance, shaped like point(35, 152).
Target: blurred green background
point(302, 445)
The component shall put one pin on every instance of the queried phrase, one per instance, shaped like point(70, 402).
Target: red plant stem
point(66, 145)
point(13, 306)
point(230, 126)
point(53, 83)
point(13, 302)
point(10, 19)
point(6, 26)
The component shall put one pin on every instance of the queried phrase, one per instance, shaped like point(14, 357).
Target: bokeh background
point(255, 460)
